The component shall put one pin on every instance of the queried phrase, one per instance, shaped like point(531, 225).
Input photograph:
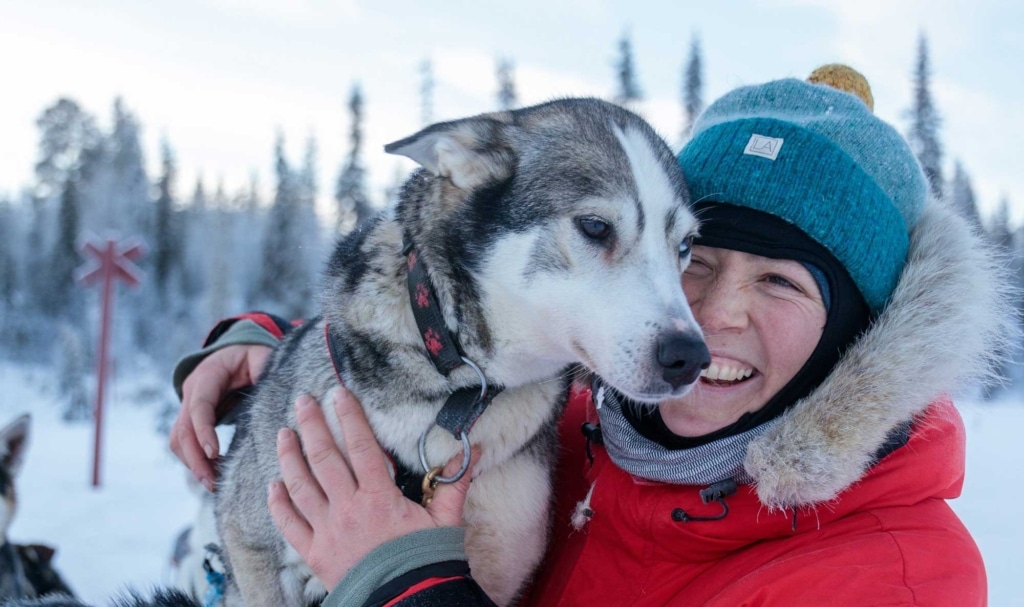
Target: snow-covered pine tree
point(35, 251)
point(309, 223)
point(248, 229)
point(130, 204)
point(9, 275)
point(427, 92)
point(197, 234)
point(1002, 235)
point(71, 375)
point(924, 126)
point(628, 88)
point(999, 231)
point(507, 99)
point(65, 299)
point(27, 332)
point(218, 292)
point(69, 144)
point(350, 195)
point(166, 245)
point(693, 88)
point(961, 195)
point(285, 283)
point(394, 189)
point(66, 135)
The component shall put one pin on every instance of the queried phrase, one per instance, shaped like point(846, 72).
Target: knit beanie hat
point(816, 157)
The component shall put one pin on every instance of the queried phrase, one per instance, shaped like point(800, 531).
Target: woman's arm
point(233, 356)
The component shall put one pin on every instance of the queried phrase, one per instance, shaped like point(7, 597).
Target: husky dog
point(551, 236)
point(548, 236)
point(25, 569)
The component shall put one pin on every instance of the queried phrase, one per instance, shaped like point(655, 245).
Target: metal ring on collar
point(464, 436)
point(483, 379)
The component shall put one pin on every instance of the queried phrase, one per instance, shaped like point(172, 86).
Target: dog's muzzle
point(682, 357)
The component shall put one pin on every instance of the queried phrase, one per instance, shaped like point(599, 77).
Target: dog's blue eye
point(685, 246)
point(594, 227)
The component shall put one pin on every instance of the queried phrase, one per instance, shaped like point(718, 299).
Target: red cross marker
point(110, 261)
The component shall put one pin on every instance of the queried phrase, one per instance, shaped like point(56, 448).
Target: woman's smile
point(725, 372)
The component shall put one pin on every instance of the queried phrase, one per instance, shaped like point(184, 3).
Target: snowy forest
point(212, 253)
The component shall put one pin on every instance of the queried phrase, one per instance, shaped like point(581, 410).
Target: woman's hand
point(334, 512)
point(204, 401)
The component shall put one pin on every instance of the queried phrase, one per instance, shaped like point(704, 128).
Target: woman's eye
point(685, 247)
point(594, 227)
point(697, 268)
point(782, 282)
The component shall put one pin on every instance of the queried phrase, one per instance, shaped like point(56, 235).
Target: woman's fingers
point(325, 459)
point(204, 419)
point(186, 447)
point(364, 452)
point(256, 357)
point(304, 490)
point(206, 386)
point(446, 507)
point(293, 526)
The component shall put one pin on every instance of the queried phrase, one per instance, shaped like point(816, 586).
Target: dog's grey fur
point(493, 213)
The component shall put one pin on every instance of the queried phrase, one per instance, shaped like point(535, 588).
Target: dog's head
point(569, 223)
point(13, 441)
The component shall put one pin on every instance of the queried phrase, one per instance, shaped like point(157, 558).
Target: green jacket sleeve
point(394, 559)
point(243, 331)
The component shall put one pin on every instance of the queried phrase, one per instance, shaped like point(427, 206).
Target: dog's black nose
point(682, 356)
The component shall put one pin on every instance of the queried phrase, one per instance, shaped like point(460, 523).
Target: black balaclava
point(727, 226)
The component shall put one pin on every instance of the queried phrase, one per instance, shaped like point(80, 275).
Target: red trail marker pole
point(110, 261)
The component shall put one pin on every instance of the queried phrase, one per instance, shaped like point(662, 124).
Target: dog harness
point(462, 408)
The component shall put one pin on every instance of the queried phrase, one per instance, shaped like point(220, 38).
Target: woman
point(809, 466)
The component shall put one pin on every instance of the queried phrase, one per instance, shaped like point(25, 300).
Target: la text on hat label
point(765, 147)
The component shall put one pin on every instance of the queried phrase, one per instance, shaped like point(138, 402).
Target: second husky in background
point(26, 570)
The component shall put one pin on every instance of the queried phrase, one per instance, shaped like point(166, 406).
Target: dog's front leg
point(252, 545)
point(506, 516)
point(255, 572)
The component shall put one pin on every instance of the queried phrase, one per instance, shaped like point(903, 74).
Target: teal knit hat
point(818, 158)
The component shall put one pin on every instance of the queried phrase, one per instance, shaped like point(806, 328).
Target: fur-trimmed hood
point(947, 321)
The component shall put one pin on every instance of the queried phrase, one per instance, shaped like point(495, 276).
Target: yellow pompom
point(844, 78)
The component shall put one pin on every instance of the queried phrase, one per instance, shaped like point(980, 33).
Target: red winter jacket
point(890, 539)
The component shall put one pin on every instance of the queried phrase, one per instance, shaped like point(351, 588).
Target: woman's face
point(761, 318)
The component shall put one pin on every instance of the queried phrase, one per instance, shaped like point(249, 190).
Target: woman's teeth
point(719, 372)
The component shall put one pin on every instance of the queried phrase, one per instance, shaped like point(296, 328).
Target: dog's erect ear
point(13, 441)
point(469, 152)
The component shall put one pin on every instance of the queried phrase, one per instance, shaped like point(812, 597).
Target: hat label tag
point(765, 147)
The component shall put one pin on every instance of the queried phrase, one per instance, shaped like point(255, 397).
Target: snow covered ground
point(107, 538)
point(122, 534)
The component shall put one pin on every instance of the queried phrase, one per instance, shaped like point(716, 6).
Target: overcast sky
point(218, 78)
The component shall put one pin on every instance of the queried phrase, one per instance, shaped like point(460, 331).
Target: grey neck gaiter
point(704, 465)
